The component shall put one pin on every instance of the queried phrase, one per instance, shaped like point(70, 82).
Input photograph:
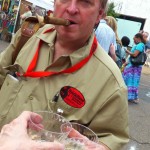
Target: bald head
point(145, 36)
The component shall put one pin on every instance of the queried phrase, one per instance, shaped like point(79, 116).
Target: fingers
point(75, 133)
point(24, 119)
point(46, 145)
point(20, 124)
point(6, 130)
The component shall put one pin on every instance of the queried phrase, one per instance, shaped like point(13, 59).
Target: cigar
point(52, 20)
point(56, 21)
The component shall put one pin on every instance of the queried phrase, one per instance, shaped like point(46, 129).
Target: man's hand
point(14, 135)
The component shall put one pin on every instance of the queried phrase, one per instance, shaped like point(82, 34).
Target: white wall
point(42, 3)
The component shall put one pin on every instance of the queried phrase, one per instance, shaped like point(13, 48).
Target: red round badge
point(72, 96)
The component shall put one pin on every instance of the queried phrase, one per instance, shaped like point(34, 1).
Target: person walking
point(132, 73)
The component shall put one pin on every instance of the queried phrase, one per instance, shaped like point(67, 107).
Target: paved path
point(139, 116)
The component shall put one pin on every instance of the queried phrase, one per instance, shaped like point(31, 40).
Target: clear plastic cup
point(89, 140)
point(53, 127)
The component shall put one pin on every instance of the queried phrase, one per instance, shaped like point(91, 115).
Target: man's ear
point(99, 17)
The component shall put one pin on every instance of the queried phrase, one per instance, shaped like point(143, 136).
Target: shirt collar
point(83, 52)
point(102, 21)
point(74, 57)
point(48, 38)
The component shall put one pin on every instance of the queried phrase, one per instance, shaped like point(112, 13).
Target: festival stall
point(10, 11)
point(8, 15)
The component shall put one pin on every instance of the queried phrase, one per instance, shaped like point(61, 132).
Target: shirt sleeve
point(6, 55)
point(140, 47)
point(111, 121)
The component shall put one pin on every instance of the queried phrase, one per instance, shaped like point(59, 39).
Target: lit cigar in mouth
point(52, 20)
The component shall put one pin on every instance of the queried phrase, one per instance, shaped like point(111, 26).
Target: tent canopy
point(47, 4)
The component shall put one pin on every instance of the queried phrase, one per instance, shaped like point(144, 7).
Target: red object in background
point(49, 12)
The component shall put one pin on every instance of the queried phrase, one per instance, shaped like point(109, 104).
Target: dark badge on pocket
point(72, 96)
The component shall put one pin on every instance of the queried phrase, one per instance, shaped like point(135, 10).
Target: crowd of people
point(131, 73)
point(69, 68)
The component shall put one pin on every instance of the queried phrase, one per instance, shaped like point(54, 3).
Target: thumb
point(74, 133)
point(41, 145)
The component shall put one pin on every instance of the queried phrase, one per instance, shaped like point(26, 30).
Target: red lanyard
point(37, 74)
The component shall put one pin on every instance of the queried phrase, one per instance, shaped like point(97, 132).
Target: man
point(147, 47)
point(64, 68)
point(147, 41)
point(27, 13)
point(106, 37)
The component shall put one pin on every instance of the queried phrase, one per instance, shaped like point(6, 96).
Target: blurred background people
point(147, 47)
point(49, 13)
point(125, 43)
point(5, 6)
point(132, 73)
point(106, 37)
point(105, 34)
point(26, 14)
point(111, 21)
point(147, 40)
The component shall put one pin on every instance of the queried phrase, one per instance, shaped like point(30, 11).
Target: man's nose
point(72, 8)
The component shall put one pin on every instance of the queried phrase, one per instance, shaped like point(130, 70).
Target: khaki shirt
point(100, 82)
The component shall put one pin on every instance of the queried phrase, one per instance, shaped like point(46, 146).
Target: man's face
point(83, 14)
point(145, 36)
point(26, 8)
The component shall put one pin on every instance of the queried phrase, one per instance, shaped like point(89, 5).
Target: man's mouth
point(71, 22)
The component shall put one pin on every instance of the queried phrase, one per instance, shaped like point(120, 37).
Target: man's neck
point(66, 47)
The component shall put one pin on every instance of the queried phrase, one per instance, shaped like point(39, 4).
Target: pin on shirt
point(71, 96)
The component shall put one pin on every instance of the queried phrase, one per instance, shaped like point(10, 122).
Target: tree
point(111, 10)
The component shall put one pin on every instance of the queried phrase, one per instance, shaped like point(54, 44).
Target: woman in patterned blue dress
point(131, 73)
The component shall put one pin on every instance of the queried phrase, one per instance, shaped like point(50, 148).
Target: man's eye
point(86, 1)
point(64, 1)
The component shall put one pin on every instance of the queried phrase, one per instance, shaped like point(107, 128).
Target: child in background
point(125, 43)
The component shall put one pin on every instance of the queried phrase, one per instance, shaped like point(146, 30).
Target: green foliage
point(111, 10)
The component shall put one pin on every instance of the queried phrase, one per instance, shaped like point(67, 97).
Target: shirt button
point(31, 97)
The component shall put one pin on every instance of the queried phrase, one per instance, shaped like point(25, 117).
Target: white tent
point(47, 4)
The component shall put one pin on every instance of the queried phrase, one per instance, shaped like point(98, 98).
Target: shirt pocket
point(61, 105)
point(8, 93)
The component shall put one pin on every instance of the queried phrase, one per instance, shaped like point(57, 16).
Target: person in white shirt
point(27, 13)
